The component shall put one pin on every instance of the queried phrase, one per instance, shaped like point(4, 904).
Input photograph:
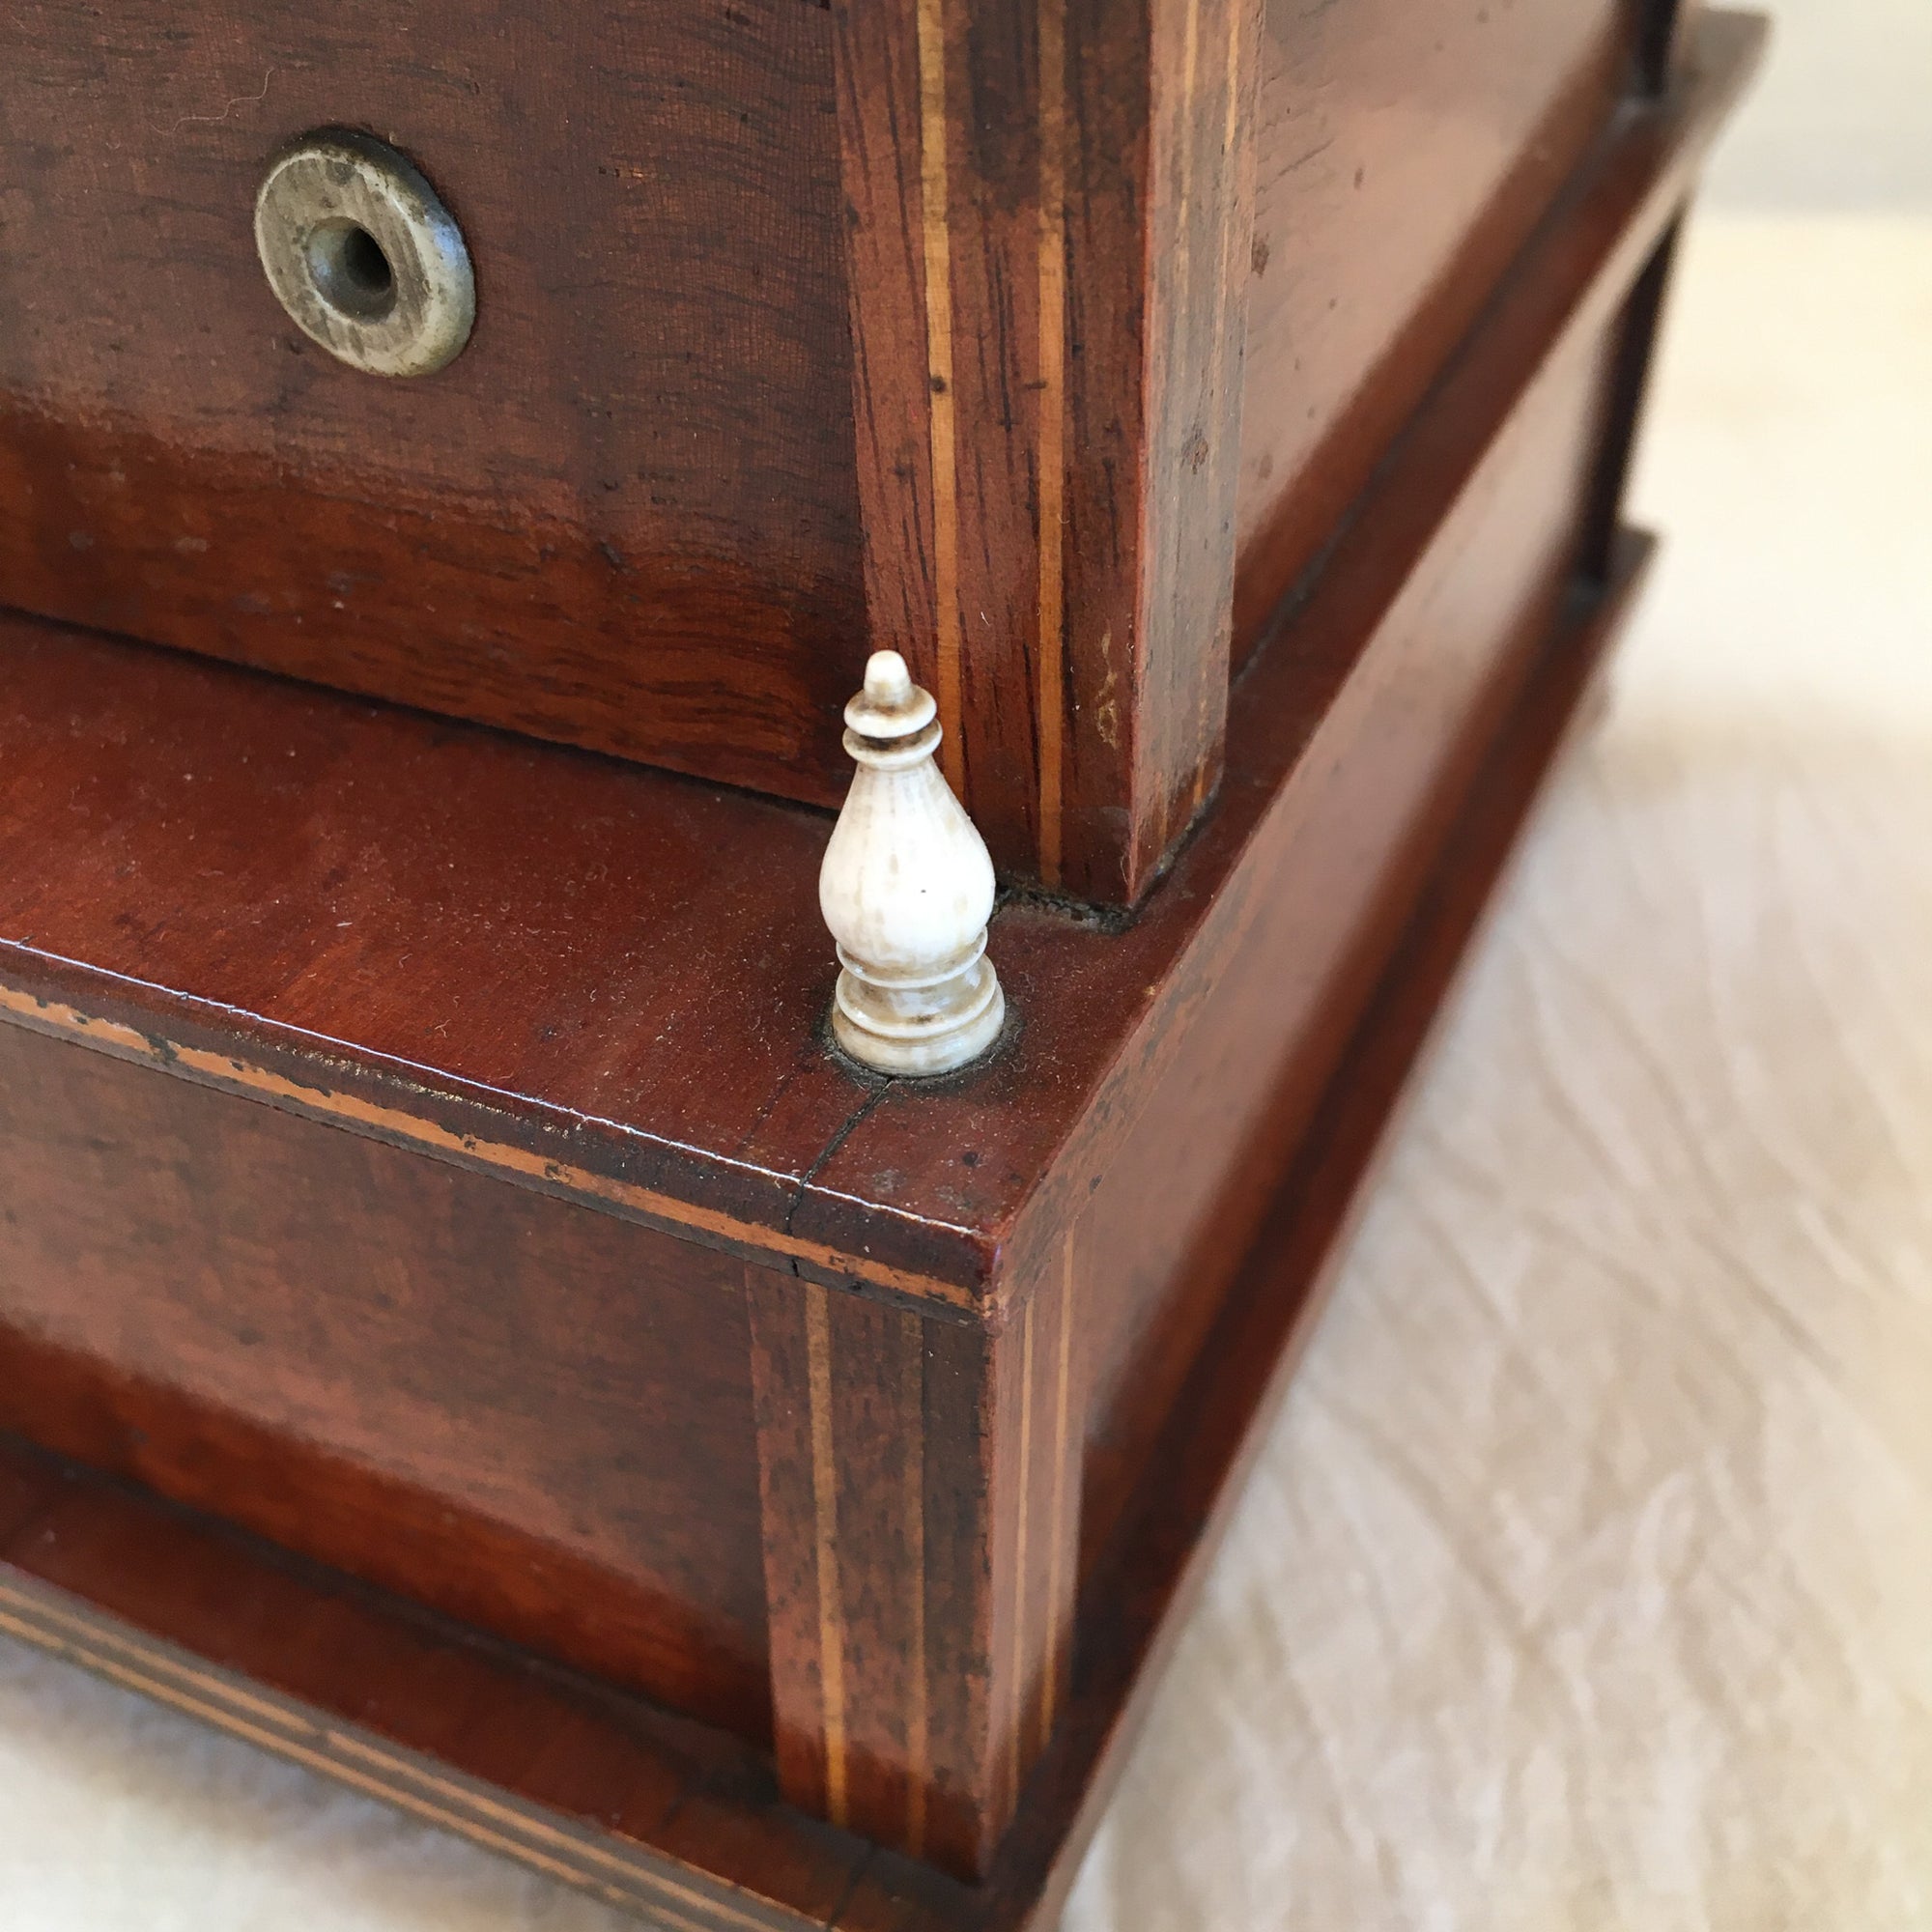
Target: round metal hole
point(351, 272)
point(363, 256)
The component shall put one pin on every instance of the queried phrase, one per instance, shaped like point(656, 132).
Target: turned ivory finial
point(907, 889)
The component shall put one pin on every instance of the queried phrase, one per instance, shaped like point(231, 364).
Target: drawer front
point(531, 1416)
point(624, 516)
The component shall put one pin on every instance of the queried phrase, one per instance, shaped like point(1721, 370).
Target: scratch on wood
point(1106, 704)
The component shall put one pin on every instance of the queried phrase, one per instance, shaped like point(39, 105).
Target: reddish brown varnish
point(801, 330)
point(661, 1816)
point(626, 516)
point(1406, 153)
point(405, 1123)
point(495, 1403)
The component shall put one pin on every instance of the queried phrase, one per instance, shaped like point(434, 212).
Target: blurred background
point(1587, 1581)
point(1838, 121)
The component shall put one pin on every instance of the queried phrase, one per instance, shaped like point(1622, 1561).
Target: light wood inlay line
point(1235, 237)
point(825, 1506)
point(942, 414)
point(1161, 569)
point(1021, 1593)
point(347, 1109)
point(1059, 1618)
point(1184, 255)
point(918, 1736)
point(1051, 700)
point(290, 1733)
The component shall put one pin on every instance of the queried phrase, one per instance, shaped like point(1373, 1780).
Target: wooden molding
point(1047, 213)
point(922, 1499)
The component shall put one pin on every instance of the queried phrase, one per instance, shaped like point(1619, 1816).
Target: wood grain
point(626, 516)
point(1138, 1599)
point(607, 982)
point(665, 1819)
point(1235, 1061)
point(921, 1487)
point(1044, 423)
point(604, 1791)
point(960, 1320)
point(1011, 1153)
point(533, 1416)
point(1445, 134)
point(801, 330)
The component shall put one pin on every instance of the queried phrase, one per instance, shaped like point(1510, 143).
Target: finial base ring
point(920, 1031)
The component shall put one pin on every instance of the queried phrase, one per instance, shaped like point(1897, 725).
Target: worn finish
point(663, 1818)
point(362, 255)
point(1443, 133)
point(1136, 1601)
point(1235, 1060)
point(535, 1417)
point(441, 933)
point(624, 517)
point(602, 1790)
point(1044, 1118)
point(922, 1491)
point(1046, 423)
point(1000, 417)
point(491, 999)
point(993, 1343)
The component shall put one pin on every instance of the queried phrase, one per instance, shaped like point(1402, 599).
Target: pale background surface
point(1844, 117)
point(1587, 1581)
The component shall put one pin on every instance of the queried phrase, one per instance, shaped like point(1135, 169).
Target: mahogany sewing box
point(464, 1325)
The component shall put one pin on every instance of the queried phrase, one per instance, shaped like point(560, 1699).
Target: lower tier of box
point(680, 1821)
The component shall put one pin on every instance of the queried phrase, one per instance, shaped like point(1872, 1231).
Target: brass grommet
point(363, 256)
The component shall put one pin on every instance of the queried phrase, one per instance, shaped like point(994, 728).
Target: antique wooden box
point(795, 323)
point(463, 1325)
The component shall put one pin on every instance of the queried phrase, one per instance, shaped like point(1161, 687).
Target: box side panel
point(529, 1415)
point(625, 516)
point(921, 1489)
point(1377, 790)
point(1405, 154)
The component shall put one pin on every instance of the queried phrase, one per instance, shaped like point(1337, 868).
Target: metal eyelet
point(363, 256)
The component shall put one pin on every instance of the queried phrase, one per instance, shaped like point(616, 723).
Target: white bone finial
point(907, 889)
